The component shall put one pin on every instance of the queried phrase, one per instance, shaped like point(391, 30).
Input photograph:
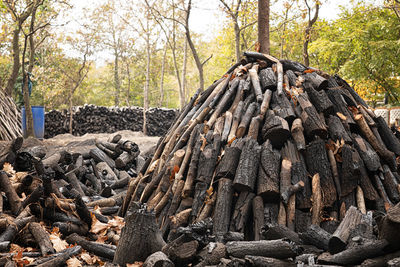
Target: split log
point(390, 140)
point(275, 129)
point(256, 82)
point(317, 81)
point(335, 172)
point(192, 172)
point(367, 153)
point(355, 255)
point(265, 104)
point(311, 120)
point(317, 162)
point(298, 134)
point(13, 199)
point(350, 170)
point(316, 236)
point(337, 132)
point(388, 226)
point(316, 199)
point(158, 259)
point(272, 248)
point(338, 241)
point(140, 238)
point(227, 126)
point(282, 107)
point(228, 164)
point(237, 115)
point(268, 79)
point(258, 217)
point(246, 173)
point(381, 191)
point(390, 183)
point(385, 154)
point(223, 207)
point(340, 105)
point(98, 155)
point(289, 191)
point(124, 159)
point(245, 121)
point(241, 212)
point(254, 127)
point(208, 160)
point(42, 238)
point(268, 173)
point(369, 190)
point(360, 200)
point(222, 104)
point(319, 98)
point(181, 250)
point(198, 199)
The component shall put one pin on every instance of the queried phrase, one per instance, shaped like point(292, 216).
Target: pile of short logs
point(63, 205)
point(97, 119)
point(275, 163)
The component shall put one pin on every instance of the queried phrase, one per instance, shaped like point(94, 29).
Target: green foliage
point(363, 45)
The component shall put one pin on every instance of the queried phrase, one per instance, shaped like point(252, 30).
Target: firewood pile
point(10, 118)
point(62, 208)
point(274, 164)
point(97, 119)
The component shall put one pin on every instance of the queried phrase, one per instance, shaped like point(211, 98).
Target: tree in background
point(263, 26)
point(307, 33)
point(235, 10)
point(362, 45)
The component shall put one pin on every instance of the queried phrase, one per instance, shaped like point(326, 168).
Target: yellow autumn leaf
point(74, 262)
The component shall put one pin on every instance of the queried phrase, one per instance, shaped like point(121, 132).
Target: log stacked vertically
point(273, 142)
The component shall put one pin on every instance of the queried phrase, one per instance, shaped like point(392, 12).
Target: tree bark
point(263, 26)
point(311, 22)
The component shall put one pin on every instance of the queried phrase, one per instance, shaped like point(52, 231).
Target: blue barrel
point(38, 121)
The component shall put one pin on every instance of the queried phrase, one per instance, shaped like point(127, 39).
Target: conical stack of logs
point(272, 144)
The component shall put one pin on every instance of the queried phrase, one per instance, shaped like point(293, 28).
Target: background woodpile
point(10, 118)
point(96, 119)
point(276, 163)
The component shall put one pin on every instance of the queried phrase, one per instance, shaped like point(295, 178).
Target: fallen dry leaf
point(135, 264)
point(98, 226)
point(58, 243)
point(87, 258)
point(74, 262)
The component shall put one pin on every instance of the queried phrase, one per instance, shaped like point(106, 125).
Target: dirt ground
point(81, 143)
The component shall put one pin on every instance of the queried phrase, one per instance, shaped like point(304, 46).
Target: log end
point(336, 245)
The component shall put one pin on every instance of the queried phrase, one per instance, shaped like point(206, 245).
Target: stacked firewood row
point(97, 119)
point(10, 118)
point(273, 164)
point(53, 206)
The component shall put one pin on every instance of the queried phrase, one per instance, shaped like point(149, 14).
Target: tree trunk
point(147, 84)
point(308, 32)
point(160, 104)
point(263, 26)
point(16, 63)
point(196, 57)
point(237, 40)
point(182, 89)
point(116, 77)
